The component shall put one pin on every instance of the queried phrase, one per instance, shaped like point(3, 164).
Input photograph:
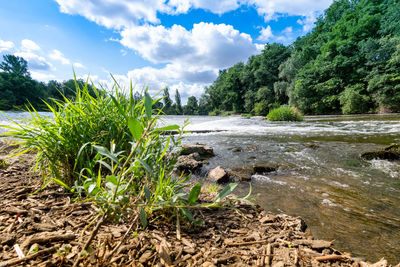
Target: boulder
point(188, 163)
point(241, 174)
point(218, 175)
point(203, 150)
point(388, 153)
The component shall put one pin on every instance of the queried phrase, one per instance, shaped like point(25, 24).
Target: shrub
point(285, 113)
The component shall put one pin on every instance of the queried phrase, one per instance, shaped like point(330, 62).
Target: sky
point(181, 44)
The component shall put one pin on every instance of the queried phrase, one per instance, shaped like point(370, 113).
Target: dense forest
point(349, 63)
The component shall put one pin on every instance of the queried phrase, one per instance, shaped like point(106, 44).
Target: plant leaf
point(143, 218)
point(112, 178)
point(91, 189)
point(226, 191)
point(145, 166)
point(188, 214)
point(168, 128)
point(105, 152)
point(148, 105)
point(105, 164)
point(59, 182)
point(135, 127)
point(194, 193)
point(147, 193)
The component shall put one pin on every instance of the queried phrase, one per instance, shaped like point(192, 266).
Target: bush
point(285, 113)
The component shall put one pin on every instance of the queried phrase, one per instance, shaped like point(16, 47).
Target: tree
point(178, 104)
point(14, 65)
point(168, 109)
point(191, 107)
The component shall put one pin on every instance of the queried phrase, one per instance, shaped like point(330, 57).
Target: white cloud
point(114, 14)
point(206, 45)
point(45, 77)
point(265, 34)
point(273, 8)
point(35, 62)
point(125, 13)
point(79, 65)
point(58, 56)
point(123, 52)
point(29, 45)
point(308, 21)
point(217, 7)
point(6, 46)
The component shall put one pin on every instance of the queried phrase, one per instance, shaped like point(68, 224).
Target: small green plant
point(3, 163)
point(285, 113)
point(109, 149)
point(209, 188)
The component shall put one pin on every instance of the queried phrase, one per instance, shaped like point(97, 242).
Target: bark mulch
point(49, 229)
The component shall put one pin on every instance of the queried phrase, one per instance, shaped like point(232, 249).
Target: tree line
point(349, 63)
point(18, 89)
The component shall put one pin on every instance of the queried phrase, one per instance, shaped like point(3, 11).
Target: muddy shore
point(50, 229)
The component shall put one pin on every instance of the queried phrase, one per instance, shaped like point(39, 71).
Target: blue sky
point(156, 43)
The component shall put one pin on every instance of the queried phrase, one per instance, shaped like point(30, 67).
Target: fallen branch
point(94, 232)
point(247, 243)
point(122, 241)
point(28, 258)
point(331, 258)
point(47, 239)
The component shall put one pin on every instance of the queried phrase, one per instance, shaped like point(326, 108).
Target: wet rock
point(312, 146)
point(188, 163)
point(235, 149)
point(388, 153)
point(218, 175)
point(241, 174)
point(260, 168)
point(203, 150)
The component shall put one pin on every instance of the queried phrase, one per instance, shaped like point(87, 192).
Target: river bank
point(53, 227)
point(321, 176)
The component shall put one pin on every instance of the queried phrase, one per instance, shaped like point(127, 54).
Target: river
point(320, 176)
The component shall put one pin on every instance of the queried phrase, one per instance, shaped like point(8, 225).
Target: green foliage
point(240, 87)
point(353, 43)
point(191, 107)
point(178, 104)
point(352, 101)
point(14, 65)
point(285, 113)
point(109, 149)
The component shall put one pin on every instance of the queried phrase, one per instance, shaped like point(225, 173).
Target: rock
point(203, 150)
point(235, 149)
point(188, 163)
point(218, 175)
point(241, 174)
point(312, 146)
point(258, 168)
point(388, 153)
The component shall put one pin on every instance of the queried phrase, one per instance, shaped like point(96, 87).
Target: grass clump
point(109, 148)
point(285, 113)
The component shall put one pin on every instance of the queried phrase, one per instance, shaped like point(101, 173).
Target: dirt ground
point(49, 229)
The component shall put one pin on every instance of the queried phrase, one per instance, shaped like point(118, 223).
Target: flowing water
point(320, 176)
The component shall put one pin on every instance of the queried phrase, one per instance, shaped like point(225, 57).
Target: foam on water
point(267, 179)
point(388, 167)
